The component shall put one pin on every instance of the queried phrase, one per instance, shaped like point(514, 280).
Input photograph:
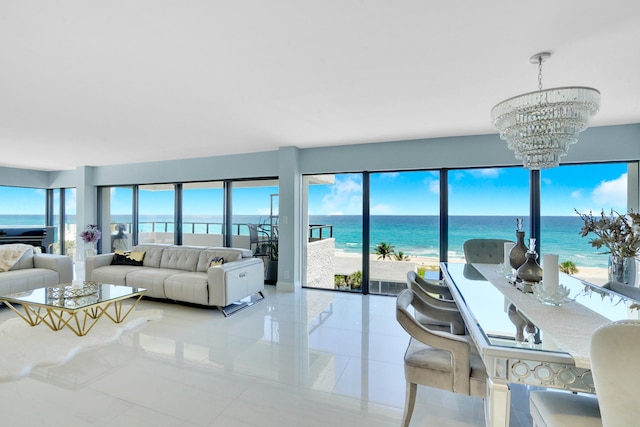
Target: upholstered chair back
point(615, 352)
point(485, 251)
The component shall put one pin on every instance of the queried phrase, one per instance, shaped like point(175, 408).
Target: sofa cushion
point(153, 253)
point(207, 255)
point(179, 258)
point(113, 274)
point(25, 261)
point(188, 287)
point(216, 261)
point(27, 279)
point(152, 279)
point(128, 258)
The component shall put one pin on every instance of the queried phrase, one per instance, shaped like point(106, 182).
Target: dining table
point(524, 338)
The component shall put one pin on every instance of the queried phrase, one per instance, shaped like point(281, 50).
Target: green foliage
point(384, 250)
point(568, 267)
point(352, 281)
point(339, 281)
point(400, 256)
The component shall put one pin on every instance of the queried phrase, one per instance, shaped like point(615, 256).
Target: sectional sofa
point(35, 270)
point(208, 276)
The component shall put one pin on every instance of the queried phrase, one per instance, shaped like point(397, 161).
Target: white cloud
point(390, 175)
point(382, 209)
point(345, 197)
point(611, 193)
point(577, 194)
point(485, 173)
point(433, 185)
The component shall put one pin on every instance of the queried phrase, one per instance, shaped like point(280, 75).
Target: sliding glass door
point(404, 227)
point(334, 248)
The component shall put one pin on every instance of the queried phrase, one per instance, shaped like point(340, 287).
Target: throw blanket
point(11, 254)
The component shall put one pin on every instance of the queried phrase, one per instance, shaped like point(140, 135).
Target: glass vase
point(91, 249)
point(624, 270)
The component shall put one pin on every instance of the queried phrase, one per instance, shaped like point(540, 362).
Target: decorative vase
point(91, 249)
point(517, 255)
point(624, 270)
point(530, 271)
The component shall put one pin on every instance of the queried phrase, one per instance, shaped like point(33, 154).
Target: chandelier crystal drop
point(540, 126)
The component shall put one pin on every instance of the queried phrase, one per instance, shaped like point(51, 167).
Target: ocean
point(413, 235)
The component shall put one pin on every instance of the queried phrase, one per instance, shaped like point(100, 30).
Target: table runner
point(570, 325)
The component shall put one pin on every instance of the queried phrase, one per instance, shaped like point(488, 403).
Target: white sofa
point(184, 274)
point(36, 270)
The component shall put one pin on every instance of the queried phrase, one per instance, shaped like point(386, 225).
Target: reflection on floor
point(310, 358)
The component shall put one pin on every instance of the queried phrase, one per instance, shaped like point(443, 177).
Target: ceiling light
point(540, 126)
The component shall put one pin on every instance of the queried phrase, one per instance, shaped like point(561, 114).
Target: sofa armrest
point(61, 263)
point(235, 280)
point(95, 261)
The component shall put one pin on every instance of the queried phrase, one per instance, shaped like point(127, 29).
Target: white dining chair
point(436, 294)
point(484, 251)
point(615, 349)
point(436, 358)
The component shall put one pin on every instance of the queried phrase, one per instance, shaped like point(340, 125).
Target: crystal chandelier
point(540, 126)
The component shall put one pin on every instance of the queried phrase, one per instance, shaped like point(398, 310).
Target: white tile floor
point(310, 358)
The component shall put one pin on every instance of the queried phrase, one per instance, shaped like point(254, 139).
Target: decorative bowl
point(557, 298)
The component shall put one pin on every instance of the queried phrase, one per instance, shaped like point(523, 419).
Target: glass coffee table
point(77, 306)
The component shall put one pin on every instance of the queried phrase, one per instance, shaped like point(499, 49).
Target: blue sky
point(502, 191)
point(496, 191)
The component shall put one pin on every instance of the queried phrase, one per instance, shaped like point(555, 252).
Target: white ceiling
point(121, 81)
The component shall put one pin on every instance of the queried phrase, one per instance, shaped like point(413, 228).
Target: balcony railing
point(316, 231)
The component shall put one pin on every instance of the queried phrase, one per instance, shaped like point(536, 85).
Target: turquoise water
point(413, 235)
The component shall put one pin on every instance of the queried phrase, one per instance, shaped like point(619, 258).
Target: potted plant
point(90, 236)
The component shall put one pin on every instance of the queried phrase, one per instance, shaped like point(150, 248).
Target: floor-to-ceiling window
point(404, 225)
point(22, 207)
point(254, 221)
point(117, 218)
point(203, 213)
point(156, 213)
point(334, 248)
point(585, 188)
point(484, 203)
point(70, 222)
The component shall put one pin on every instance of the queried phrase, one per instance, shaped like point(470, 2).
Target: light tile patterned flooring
point(310, 358)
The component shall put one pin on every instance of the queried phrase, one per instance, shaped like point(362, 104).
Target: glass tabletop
point(497, 317)
point(75, 295)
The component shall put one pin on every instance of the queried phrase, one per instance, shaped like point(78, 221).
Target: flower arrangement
point(91, 234)
point(618, 233)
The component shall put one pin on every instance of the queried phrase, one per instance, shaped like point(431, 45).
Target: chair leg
point(409, 403)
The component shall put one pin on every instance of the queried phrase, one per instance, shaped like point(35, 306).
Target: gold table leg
point(79, 321)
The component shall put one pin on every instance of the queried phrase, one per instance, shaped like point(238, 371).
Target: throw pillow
point(216, 261)
point(127, 258)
